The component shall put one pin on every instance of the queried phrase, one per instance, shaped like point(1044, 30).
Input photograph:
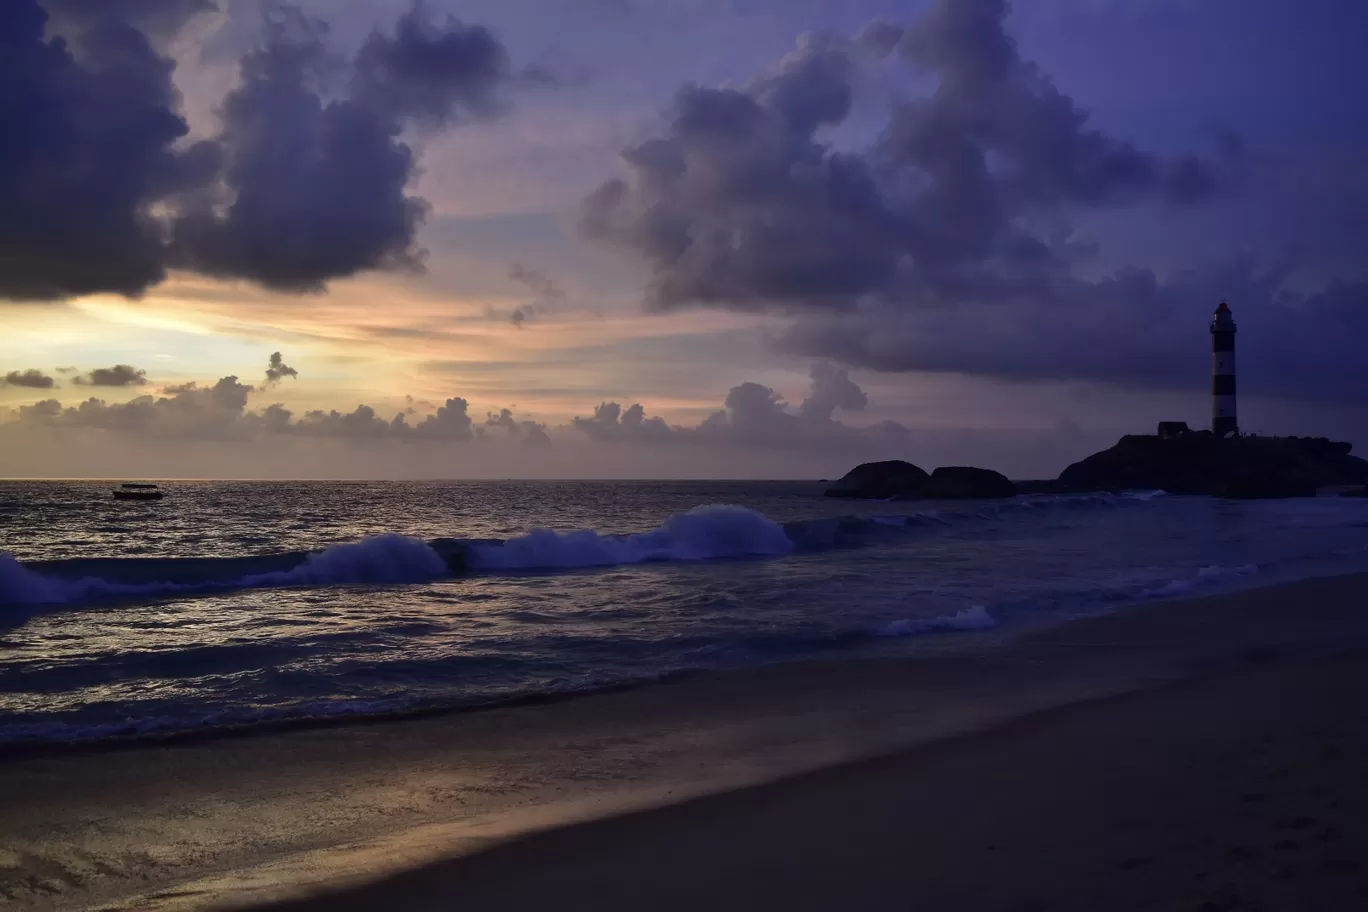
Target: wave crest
point(703, 533)
point(382, 560)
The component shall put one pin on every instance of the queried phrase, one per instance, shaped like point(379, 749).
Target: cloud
point(432, 74)
point(547, 295)
point(220, 412)
point(947, 244)
point(118, 375)
point(529, 432)
point(740, 203)
point(611, 421)
point(317, 185)
point(191, 412)
point(278, 370)
point(92, 143)
point(31, 379)
point(305, 182)
point(832, 389)
point(751, 416)
point(1131, 329)
point(754, 415)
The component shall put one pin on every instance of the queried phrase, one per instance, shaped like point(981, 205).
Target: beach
point(1243, 791)
point(1164, 756)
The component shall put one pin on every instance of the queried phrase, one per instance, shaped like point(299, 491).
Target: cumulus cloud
point(946, 245)
point(752, 417)
point(192, 411)
point(317, 185)
point(92, 143)
point(611, 421)
point(220, 412)
point(306, 181)
point(30, 379)
point(529, 432)
point(832, 389)
point(756, 415)
point(432, 73)
point(277, 369)
point(741, 204)
point(118, 375)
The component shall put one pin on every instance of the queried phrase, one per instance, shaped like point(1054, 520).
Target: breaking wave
point(703, 533)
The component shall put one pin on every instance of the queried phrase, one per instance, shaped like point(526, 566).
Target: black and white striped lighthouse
point(1223, 373)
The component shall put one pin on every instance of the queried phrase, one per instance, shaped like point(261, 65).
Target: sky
point(668, 238)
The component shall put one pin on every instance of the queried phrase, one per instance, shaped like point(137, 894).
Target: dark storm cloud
point(432, 73)
point(317, 184)
point(946, 245)
point(740, 204)
point(277, 369)
point(305, 182)
point(30, 379)
point(90, 130)
point(118, 375)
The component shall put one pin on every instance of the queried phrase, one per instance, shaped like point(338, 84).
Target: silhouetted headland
point(1176, 461)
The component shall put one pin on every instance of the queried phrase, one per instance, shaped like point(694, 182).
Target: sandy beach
point(1200, 754)
point(1243, 791)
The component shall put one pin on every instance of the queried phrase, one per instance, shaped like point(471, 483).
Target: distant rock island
point(898, 480)
point(1198, 462)
point(1175, 460)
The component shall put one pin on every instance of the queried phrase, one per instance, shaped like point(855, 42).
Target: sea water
point(237, 604)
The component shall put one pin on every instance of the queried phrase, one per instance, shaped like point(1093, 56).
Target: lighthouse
point(1223, 372)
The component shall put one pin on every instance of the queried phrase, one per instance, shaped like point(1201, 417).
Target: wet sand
point(1101, 793)
point(1242, 791)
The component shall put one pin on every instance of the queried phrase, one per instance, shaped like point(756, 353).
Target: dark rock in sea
point(1200, 463)
point(880, 481)
point(1357, 492)
point(967, 482)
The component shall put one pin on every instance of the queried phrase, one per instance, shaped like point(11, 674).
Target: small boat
point(133, 491)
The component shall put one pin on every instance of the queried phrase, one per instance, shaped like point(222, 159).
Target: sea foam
point(970, 619)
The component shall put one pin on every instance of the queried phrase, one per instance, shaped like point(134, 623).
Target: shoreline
point(915, 646)
point(252, 819)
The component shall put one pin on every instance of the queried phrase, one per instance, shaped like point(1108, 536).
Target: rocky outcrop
point(1357, 492)
point(898, 480)
point(1200, 463)
point(967, 482)
point(881, 481)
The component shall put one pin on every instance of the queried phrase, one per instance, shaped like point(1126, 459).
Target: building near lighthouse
point(1223, 419)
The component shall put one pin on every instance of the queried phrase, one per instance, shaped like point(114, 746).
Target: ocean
point(234, 605)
